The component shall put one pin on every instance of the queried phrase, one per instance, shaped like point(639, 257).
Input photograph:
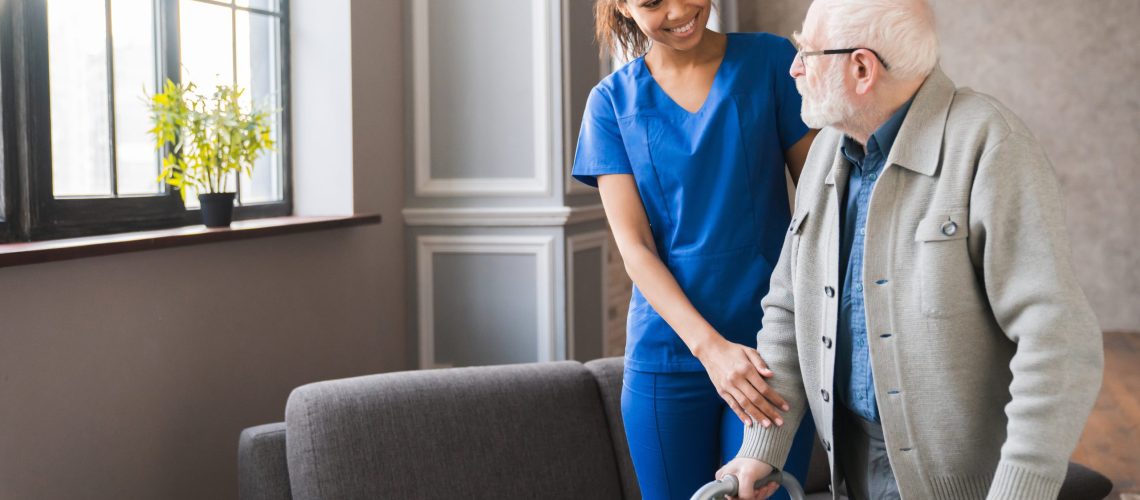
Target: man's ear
point(865, 70)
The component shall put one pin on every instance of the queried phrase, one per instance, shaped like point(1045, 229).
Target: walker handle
point(729, 486)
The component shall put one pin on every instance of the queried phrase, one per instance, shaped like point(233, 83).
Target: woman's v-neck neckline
point(712, 88)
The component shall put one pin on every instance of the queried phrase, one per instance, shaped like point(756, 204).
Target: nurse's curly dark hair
point(617, 34)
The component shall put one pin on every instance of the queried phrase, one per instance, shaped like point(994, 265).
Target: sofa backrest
point(608, 373)
point(488, 432)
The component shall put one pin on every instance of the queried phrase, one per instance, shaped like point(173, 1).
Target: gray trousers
point(862, 455)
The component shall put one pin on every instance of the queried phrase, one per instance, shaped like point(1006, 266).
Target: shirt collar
point(918, 146)
point(881, 141)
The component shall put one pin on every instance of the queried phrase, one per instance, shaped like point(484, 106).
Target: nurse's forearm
point(630, 225)
point(662, 292)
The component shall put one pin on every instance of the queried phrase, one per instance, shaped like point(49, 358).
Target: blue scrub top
point(712, 183)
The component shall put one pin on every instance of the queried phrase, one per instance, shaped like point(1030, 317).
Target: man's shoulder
point(982, 119)
point(984, 139)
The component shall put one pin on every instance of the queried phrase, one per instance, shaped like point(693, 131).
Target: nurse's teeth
point(684, 28)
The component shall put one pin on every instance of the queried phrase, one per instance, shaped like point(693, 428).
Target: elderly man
point(923, 307)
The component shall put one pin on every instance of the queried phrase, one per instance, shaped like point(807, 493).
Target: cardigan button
point(826, 396)
point(826, 342)
point(830, 292)
point(949, 228)
point(792, 227)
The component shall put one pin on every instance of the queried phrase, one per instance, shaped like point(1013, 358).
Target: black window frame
point(31, 212)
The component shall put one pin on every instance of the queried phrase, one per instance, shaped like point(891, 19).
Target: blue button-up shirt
point(855, 382)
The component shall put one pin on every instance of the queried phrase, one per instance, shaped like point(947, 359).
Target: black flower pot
point(217, 209)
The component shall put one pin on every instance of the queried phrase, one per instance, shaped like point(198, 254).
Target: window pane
point(132, 28)
point(270, 5)
point(208, 49)
point(257, 69)
point(80, 124)
point(207, 45)
point(207, 54)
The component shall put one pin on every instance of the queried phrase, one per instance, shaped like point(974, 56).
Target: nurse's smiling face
point(677, 24)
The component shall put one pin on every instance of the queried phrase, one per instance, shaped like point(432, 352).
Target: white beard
point(829, 105)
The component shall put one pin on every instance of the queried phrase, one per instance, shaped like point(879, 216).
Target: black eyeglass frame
point(829, 52)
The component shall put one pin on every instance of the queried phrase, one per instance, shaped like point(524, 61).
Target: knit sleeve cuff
point(770, 445)
point(1012, 482)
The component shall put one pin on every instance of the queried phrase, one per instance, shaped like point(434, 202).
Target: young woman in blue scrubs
point(687, 145)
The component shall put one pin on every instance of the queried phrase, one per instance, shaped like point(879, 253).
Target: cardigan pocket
point(949, 285)
point(795, 230)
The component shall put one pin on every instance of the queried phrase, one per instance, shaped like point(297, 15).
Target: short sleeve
point(600, 147)
point(791, 126)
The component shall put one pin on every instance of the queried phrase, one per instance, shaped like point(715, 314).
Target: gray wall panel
point(585, 69)
point(485, 309)
point(482, 88)
point(589, 316)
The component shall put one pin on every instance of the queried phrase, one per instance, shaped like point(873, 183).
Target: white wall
point(321, 37)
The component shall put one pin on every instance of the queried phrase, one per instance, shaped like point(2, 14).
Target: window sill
point(19, 254)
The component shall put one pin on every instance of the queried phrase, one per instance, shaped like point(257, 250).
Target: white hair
point(902, 32)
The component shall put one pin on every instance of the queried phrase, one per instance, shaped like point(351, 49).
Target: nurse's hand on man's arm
point(738, 373)
point(747, 472)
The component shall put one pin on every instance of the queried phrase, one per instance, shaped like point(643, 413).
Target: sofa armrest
point(263, 473)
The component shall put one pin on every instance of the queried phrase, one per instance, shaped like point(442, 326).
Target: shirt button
point(873, 176)
point(830, 292)
point(862, 231)
point(858, 287)
point(826, 396)
point(949, 228)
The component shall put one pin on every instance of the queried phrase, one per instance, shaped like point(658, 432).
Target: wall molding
point(540, 184)
point(574, 244)
point(572, 187)
point(502, 216)
point(542, 247)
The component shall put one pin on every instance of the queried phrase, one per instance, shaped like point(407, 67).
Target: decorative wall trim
point(572, 186)
point(574, 244)
point(502, 216)
point(537, 185)
point(586, 213)
point(542, 247)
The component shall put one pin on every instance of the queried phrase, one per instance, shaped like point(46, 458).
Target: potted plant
point(208, 140)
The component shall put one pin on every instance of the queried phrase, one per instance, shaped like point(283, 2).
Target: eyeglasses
point(801, 53)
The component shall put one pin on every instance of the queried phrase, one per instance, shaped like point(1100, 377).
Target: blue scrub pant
point(680, 432)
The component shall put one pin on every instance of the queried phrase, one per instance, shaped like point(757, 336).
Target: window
point(73, 79)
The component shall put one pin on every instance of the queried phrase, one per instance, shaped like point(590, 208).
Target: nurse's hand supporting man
point(737, 371)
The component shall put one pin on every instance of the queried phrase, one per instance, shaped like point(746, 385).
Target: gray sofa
point(548, 430)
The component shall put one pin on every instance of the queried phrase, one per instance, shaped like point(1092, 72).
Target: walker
point(729, 485)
